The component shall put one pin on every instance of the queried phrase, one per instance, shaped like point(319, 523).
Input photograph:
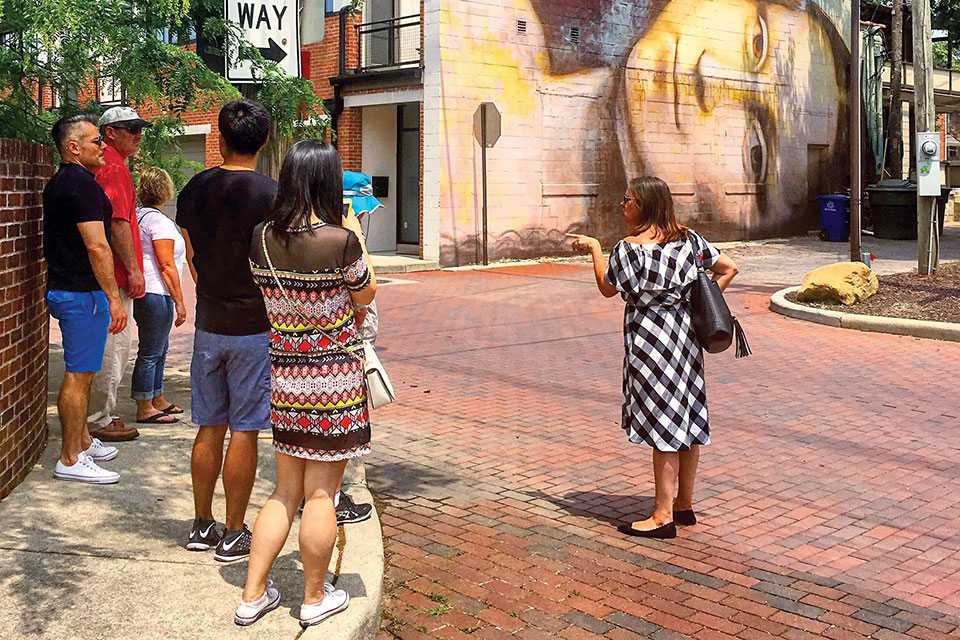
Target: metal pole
point(855, 145)
point(483, 165)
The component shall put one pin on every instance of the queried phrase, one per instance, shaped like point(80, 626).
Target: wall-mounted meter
point(928, 163)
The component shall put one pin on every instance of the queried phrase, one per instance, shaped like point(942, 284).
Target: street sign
point(486, 129)
point(273, 26)
point(486, 124)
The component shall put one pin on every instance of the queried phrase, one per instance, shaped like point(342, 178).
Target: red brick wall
point(24, 169)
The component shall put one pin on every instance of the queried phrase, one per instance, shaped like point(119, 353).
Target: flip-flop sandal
point(158, 418)
point(172, 410)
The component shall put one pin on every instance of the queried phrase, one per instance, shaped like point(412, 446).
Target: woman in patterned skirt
point(312, 266)
point(664, 392)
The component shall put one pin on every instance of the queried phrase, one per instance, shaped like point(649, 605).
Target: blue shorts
point(230, 381)
point(84, 317)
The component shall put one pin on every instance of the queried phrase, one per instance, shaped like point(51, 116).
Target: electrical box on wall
point(928, 163)
point(381, 186)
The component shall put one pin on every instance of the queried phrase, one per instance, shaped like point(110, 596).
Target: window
point(333, 6)
point(173, 37)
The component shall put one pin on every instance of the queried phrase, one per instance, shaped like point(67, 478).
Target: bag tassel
point(743, 347)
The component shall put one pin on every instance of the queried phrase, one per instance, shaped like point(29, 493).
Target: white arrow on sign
point(273, 26)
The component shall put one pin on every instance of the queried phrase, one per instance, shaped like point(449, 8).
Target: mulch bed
point(908, 295)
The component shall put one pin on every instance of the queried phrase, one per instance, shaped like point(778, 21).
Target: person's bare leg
point(72, 410)
point(239, 472)
point(273, 524)
point(318, 525)
point(666, 465)
point(205, 463)
point(687, 476)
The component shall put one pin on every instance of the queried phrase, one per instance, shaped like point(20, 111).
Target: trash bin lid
point(894, 185)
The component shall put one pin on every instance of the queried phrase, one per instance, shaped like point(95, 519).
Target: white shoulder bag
point(379, 389)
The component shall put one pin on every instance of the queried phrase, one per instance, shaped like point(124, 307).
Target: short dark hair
point(244, 126)
point(65, 127)
point(311, 180)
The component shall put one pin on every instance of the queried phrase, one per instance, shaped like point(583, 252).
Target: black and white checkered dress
point(664, 391)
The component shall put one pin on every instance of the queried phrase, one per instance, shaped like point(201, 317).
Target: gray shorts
point(230, 381)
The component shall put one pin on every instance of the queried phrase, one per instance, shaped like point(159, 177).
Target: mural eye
point(759, 41)
point(755, 154)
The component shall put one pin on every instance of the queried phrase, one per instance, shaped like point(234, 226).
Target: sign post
point(273, 26)
point(486, 129)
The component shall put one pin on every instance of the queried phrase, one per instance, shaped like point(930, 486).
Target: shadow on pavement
point(605, 507)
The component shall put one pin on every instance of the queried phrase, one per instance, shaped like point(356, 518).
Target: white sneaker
point(101, 452)
point(334, 601)
point(85, 470)
point(249, 612)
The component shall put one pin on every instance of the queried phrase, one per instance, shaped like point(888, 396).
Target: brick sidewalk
point(829, 501)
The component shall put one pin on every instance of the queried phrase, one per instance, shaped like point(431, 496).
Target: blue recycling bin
point(835, 217)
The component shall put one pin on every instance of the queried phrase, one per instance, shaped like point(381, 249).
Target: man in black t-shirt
point(82, 292)
point(230, 370)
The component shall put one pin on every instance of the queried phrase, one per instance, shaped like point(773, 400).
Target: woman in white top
point(162, 306)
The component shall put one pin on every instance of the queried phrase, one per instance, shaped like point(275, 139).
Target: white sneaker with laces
point(85, 470)
point(101, 452)
point(334, 601)
point(249, 612)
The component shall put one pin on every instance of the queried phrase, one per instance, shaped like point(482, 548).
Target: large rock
point(846, 282)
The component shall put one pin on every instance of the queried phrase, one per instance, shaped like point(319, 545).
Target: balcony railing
point(388, 44)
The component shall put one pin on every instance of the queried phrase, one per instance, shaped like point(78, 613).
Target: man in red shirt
point(122, 130)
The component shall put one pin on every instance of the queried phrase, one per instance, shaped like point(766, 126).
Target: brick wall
point(24, 169)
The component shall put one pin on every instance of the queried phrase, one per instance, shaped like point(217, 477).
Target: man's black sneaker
point(349, 511)
point(204, 535)
point(234, 545)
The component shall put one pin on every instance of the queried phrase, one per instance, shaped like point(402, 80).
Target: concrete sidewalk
point(93, 562)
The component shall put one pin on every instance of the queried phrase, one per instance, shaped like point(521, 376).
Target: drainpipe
point(342, 71)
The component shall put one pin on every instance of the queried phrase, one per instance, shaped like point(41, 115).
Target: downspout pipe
point(342, 71)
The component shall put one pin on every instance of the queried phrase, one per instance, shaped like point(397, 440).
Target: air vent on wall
point(575, 35)
point(521, 26)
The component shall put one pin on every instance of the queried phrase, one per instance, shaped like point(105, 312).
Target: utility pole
point(928, 249)
point(856, 148)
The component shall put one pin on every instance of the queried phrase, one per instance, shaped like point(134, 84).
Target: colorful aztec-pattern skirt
point(318, 406)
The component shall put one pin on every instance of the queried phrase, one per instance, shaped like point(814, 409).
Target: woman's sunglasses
point(627, 199)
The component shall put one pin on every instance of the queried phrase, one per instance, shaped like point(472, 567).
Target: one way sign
point(273, 26)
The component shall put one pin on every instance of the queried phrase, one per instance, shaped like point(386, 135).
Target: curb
point(361, 568)
point(880, 324)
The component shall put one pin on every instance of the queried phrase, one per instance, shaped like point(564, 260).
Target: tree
point(71, 47)
point(896, 101)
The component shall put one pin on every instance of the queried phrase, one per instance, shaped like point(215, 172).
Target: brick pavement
point(829, 501)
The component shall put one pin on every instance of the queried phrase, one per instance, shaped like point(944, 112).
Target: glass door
point(408, 172)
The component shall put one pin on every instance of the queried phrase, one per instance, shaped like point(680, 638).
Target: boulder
point(846, 282)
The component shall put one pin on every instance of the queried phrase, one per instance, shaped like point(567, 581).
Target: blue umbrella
point(358, 189)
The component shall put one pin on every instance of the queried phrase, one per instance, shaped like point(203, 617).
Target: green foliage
point(70, 45)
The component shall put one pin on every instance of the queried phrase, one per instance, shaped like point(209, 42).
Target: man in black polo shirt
point(81, 289)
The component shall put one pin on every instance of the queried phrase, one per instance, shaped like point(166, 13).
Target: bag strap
point(293, 305)
point(147, 211)
point(697, 251)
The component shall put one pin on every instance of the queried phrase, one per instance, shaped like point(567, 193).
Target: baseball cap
point(122, 115)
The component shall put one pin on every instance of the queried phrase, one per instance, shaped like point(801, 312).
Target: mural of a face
point(724, 101)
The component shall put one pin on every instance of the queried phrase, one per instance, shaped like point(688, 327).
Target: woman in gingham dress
point(312, 267)
point(664, 392)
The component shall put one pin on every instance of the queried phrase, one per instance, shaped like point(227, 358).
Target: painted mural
point(740, 105)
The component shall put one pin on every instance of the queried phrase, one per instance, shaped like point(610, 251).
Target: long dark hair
point(311, 180)
point(656, 208)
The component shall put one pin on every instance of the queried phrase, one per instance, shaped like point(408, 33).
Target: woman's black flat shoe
point(687, 517)
point(662, 532)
